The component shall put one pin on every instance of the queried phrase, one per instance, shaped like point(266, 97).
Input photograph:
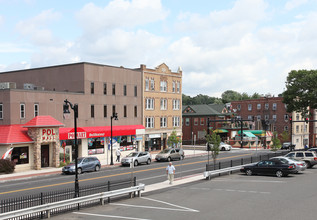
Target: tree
point(276, 144)
point(301, 91)
point(285, 136)
point(230, 95)
point(213, 141)
point(173, 140)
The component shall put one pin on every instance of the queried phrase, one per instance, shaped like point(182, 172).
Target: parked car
point(314, 149)
point(224, 147)
point(169, 154)
point(268, 167)
point(299, 164)
point(309, 157)
point(137, 158)
point(286, 146)
point(84, 164)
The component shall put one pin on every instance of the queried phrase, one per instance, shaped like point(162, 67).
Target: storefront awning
point(269, 134)
point(249, 134)
point(221, 131)
point(99, 131)
point(255, 132)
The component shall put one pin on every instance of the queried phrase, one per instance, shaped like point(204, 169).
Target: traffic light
point(306, 119)
point(290, 119)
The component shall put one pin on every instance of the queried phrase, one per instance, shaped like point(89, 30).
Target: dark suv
point(84, 164)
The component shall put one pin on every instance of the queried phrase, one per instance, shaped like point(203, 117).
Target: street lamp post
point(66, 112)
point(115, 117)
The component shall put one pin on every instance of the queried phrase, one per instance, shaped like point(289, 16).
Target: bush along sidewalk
point(6, 166)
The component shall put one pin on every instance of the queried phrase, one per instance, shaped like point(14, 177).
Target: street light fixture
point(66, 113)
point(115, 117)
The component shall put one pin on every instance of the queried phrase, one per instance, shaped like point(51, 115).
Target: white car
point(224, 147)
point(136, 158)
point(299, 165)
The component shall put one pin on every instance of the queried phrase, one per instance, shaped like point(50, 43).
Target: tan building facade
point(162, 101)
point(300, 131)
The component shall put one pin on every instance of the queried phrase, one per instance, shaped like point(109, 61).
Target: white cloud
point(120, 14)
point(36, 28)
point(294, 4)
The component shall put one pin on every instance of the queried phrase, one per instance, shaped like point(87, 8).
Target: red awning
point(14, 134)
point(269, 134)
point(100, 131)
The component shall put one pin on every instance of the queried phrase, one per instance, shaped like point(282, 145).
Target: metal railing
point(49, 209)
point(13, 204)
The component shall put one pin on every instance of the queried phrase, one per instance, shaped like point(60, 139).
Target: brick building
point(194, 123)
point(270, 115)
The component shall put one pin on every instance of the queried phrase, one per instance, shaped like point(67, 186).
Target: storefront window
point(126, 142)
point(20, 155)
point(96, 146)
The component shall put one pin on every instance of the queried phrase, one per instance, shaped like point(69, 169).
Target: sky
point(248, 46)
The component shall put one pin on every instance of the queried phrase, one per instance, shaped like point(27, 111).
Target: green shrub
point(61, 157)
point(6, 166)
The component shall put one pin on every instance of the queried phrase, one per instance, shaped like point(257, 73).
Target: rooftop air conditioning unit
point(28, 86)
point(8, 85)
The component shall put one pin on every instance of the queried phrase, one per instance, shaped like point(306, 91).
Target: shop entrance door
point(45, 156)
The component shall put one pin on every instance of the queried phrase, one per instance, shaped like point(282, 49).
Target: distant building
point(195, 118)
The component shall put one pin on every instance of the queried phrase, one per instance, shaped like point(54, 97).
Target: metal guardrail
point(208, 174)
point(47, 208)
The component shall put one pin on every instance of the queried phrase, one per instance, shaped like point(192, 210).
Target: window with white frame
point(258, 106)
point(297, 128)
point(297, 117)
point(163, 122)
point(22, 111)
point(149, 122)
point(250, 117)
point(249, 107)
point(266, 106)
point(274, 117)
point(274, 106)
point(285, 128)
point(258, 117)
point(36, 110)
point(195, 121)
point(175, 121)
point(305, 128)
point(176, 104)
point(147, 86)
point(152, 85)
point(202, 121)
point(149, 104)
point(163, 86)
point(266, 117)
point(178, 87)
point(1, 111)
point(163, 104)
point(174, 86)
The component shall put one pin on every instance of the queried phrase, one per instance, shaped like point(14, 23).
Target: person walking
point(170, 171)
point(118, 153)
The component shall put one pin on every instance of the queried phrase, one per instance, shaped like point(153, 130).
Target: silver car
point(169, 154)
point(299, 165)
point(137, 158)
point(84, 164)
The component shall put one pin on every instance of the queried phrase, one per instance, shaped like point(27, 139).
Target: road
point(228, 197)
point(147, 174)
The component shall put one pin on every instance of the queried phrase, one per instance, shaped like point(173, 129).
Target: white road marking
point(241, 191)
point(151, 207)
point(167, 203)
point(108, 216)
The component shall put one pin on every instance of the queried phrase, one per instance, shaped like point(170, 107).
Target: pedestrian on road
point(118, 153)
point(170, 171)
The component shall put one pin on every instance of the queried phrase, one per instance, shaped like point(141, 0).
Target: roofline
point(43, 126)
point(69, 64)
point(15, 143)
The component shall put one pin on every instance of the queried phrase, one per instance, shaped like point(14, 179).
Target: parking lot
point(235, 196)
